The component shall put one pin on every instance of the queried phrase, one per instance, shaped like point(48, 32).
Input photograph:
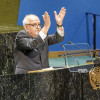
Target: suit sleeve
point(25, 42)
point(55, 38)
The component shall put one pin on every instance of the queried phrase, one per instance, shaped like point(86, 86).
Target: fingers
point(62, 11)
point(46, 15)
point(46, 19)
point(55, 13)
point(43, 16)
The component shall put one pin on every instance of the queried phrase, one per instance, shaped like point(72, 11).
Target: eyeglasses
point(36, 25)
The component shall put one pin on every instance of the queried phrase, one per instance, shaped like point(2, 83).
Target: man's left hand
point(59, 18)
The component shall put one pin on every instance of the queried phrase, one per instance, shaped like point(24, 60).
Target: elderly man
point(32, 43)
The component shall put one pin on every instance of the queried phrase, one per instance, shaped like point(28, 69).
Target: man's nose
point(38, 26)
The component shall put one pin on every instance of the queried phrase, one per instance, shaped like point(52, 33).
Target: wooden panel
point(55, 54)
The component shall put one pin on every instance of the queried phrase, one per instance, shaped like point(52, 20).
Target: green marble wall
point(52, 85)
point(7, 53)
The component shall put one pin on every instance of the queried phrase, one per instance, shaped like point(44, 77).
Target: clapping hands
point(59, 18)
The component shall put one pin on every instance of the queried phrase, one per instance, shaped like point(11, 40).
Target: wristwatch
point(59, 25)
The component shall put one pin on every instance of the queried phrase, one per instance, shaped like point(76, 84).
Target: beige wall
point(9, 11)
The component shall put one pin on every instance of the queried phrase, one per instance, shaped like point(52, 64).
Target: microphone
point(70, 42)
point(69, 53)
point(82, 51)
point(64, 54)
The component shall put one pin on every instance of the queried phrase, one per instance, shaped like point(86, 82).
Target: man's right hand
point(47, 22)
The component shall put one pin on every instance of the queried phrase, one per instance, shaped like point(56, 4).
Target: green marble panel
point(88, 92)
point(52, 85)
point(7, 53)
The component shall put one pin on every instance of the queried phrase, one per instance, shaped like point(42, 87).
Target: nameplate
point(82, 70)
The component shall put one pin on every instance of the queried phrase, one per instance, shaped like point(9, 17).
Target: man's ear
point(26, 28)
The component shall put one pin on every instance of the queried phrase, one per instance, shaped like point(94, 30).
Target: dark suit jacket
point(32, 53)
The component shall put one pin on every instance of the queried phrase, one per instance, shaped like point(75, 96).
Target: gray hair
point(25, 20)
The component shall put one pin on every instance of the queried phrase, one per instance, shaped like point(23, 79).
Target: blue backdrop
point(75, 23)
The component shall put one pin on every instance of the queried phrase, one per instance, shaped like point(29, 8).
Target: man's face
point(34, 26)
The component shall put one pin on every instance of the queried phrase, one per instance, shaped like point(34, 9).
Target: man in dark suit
point(31, 44)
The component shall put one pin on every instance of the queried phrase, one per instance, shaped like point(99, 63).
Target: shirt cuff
point(42, 35)
point(61, 33)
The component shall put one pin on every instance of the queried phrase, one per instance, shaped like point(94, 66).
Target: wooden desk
point(48, 85)
point(43, 70)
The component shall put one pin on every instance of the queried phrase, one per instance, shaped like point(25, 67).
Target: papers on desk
point(46, 69)
point(42, 70)
point(51, 68)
